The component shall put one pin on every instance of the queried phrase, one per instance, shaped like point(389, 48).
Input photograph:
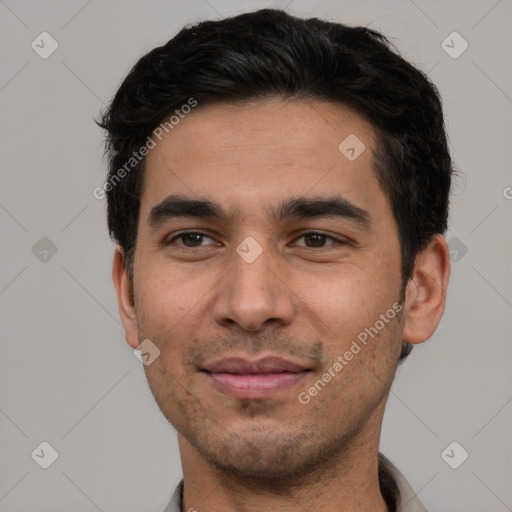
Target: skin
point(303, 298)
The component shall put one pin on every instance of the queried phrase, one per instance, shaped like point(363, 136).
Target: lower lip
point(262, 385)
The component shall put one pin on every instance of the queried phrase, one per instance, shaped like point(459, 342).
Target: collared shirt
point(409, 501)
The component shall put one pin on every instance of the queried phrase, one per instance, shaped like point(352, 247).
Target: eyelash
point(184, 233)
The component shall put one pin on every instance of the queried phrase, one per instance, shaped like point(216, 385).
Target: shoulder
point(396, 490)
point(174, 504)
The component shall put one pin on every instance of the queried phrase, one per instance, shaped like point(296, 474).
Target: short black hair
point(270, 53)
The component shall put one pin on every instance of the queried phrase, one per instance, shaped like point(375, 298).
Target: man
point(278, 190)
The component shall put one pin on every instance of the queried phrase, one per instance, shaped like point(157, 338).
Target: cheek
point(160, 302)
point(349, 299)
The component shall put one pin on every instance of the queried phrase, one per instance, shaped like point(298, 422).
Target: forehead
point(256, 153)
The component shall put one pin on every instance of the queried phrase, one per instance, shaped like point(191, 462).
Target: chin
point(266, 453)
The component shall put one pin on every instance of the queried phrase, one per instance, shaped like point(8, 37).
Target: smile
point(242, 378)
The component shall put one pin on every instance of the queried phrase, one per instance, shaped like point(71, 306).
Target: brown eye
point(316, 240)
point(190, 239)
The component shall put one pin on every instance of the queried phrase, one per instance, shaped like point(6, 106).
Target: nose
point(253, 296)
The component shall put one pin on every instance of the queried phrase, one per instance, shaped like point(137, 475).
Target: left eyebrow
point(176, 206)
point(307, 208)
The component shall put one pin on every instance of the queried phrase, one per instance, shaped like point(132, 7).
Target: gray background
point(67, 376)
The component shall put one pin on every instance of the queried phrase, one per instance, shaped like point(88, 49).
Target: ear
point(426, 291)
point(124, 298)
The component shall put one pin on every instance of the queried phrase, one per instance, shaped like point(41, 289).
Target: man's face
point(252, 307)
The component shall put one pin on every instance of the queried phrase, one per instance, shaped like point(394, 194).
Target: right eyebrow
point(175, 206)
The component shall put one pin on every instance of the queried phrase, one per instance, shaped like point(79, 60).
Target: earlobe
point(426, 291)
point(124, 294)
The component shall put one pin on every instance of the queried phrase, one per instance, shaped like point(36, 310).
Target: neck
point(348, 481)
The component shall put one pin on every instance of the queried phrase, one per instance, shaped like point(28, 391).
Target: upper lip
point(241, 366)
